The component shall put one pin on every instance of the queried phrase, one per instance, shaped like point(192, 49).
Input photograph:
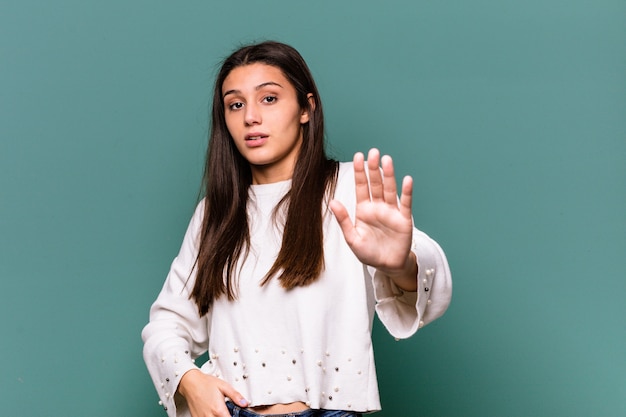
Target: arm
point(402, 312)
point(176, 335)
point(411, 275)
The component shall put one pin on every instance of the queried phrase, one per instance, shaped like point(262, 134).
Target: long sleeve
point(176, 334)
point(403, 313)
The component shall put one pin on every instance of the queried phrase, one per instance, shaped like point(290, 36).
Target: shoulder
point(198, 213)
point(346, 171)
point(345, 177)
point(195, 224)
point(345, 189)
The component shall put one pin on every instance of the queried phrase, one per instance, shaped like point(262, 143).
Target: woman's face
point(264, 119)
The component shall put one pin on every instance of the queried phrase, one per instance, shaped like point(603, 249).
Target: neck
point(267, 175)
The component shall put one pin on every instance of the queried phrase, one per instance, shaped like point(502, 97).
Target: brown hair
point(225, 233)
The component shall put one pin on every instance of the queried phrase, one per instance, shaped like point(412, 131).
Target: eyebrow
point(258, 87)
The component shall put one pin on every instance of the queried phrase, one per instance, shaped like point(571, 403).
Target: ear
point(304, 117)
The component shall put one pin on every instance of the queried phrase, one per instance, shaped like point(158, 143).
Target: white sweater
point(310, 344)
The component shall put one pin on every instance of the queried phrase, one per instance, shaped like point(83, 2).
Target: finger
point(343, 219)
point(389, 182)
point(375, 178)
point(360, 178)
point(234, 395)
point(219, 410)
point(406, 199)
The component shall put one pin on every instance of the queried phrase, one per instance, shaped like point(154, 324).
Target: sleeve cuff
point(166, 370)
point(403, 313)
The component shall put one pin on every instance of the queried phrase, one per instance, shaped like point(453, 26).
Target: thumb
point(343, 218)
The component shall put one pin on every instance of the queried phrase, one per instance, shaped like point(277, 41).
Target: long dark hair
point(225, 233)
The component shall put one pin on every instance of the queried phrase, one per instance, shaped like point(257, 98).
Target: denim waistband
point(237, 411)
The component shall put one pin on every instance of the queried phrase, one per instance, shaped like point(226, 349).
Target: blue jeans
point(237, 411)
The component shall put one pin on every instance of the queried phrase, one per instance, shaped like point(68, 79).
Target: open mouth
point(256, 140)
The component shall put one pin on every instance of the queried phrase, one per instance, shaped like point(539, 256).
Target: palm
point(381, 233)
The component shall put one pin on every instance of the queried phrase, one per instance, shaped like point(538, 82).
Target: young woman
point(286, 259)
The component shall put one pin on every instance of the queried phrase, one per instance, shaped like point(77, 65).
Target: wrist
point(406, 277)
point(188, 381)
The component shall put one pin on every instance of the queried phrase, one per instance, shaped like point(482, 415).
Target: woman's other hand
point(206, 394)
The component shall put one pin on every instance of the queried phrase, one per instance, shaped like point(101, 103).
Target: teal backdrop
point(510, 115)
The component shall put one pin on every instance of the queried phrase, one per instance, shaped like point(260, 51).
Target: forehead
point(249, 77)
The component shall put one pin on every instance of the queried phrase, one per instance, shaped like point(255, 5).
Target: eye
point(270, 99)
point(235, 106)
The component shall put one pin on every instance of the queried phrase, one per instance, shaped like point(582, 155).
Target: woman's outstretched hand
point(382, 230)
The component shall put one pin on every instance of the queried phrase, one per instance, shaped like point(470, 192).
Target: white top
point(310, 344)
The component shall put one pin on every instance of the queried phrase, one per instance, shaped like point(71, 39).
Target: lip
point(255, 139)
point(256, 136)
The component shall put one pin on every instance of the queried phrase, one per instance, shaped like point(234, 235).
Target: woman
point(279, 292)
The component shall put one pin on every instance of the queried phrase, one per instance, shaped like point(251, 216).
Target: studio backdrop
point(509, 115)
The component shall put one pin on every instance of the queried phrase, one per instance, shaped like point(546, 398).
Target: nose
point(252, 115)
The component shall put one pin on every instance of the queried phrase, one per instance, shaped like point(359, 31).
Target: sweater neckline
point(271, 189)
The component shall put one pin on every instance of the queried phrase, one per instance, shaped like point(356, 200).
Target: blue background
point(509, 115)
